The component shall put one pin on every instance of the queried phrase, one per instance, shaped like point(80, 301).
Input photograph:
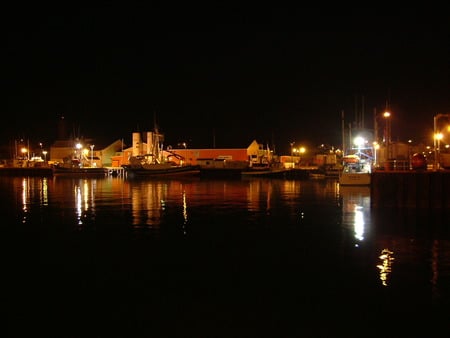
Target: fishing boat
point(355, 172)
point(269, 172)
point(66, 170)
point(157, 163)
point(146, 169)
point(275, 171)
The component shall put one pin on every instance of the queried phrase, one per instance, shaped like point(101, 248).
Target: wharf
point(426, 189)
point(48, 171)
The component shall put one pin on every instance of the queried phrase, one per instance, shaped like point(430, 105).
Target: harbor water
point(101, 257)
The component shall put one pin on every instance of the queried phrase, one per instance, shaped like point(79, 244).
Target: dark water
point(218, 258)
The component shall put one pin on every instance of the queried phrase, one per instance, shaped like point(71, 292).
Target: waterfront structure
point(83, 151)
point(142, 145)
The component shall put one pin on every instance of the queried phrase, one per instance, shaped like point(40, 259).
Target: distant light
point(359, 141)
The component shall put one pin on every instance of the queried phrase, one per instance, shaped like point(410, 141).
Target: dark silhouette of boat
point(158, 170)
point(62, 170)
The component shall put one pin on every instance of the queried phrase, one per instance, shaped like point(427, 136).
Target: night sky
point(221, 76)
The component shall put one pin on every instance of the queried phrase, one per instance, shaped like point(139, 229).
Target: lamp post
point(92, 153)
point(301, 151)
point(185, 152)
point(24, 153)
point(409, 154)
point(437, 153)
point(435, 138)
point(387, 134)
point(292, 153)
point(78, 146)
point(376, 146)
point(44, 152)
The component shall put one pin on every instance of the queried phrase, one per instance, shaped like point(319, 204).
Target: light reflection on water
point(355, 209)
point(316, 227)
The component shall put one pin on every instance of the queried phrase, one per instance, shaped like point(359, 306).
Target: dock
point(48, 171)
point(425, 189)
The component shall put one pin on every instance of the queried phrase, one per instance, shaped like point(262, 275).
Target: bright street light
point(436, 138)
point(24, 152)
point(292, 153)
point(387, 133)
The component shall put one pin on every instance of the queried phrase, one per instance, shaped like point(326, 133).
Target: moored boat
point(276, 172)
point(61, 170)
point(355, 174)
point(271, 172)
point(157, 163)
point(158, 170)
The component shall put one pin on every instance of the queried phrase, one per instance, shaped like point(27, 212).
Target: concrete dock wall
point(411, 189)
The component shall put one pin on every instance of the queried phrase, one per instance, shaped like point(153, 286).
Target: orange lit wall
point(191, 155)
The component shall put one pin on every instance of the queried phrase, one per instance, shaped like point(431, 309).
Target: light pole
point(437, 153)
point(44, 152)
point(376, 146)
point(78, 146)
point(301, 151)
point(435, 138)
point(92, 154)
point(292, 153)
point(387, 134)
point(409, 154)
point(24, 152)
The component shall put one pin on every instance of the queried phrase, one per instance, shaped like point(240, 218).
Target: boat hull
point(287, 173)
point(158, 172)
point(62, 171)
point(355, 179)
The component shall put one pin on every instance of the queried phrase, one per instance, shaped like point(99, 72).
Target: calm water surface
point(109, 256)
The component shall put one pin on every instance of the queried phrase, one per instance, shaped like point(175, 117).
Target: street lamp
point(92, 153)
point(376, 146)
point(78, 146)
point(44, 152)
point(437, 152)
point(292, 153)
point(24, 152)
point(435, 139)
point(359, 142)
point(387, 133)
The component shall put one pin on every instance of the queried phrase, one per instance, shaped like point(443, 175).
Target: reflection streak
point(359, 223)
point(78, 199)
point(386, 266)
point(32, 188)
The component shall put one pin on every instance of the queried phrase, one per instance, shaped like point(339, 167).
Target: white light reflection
point(148, 204)
point(44, 192)
point(386, 266)
point(355, 204)
point(185, 214)
point(84, 200)
point(87, 196)
point(34, 191)
point(359, 223)
point(25, 192)
point(78, 199)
